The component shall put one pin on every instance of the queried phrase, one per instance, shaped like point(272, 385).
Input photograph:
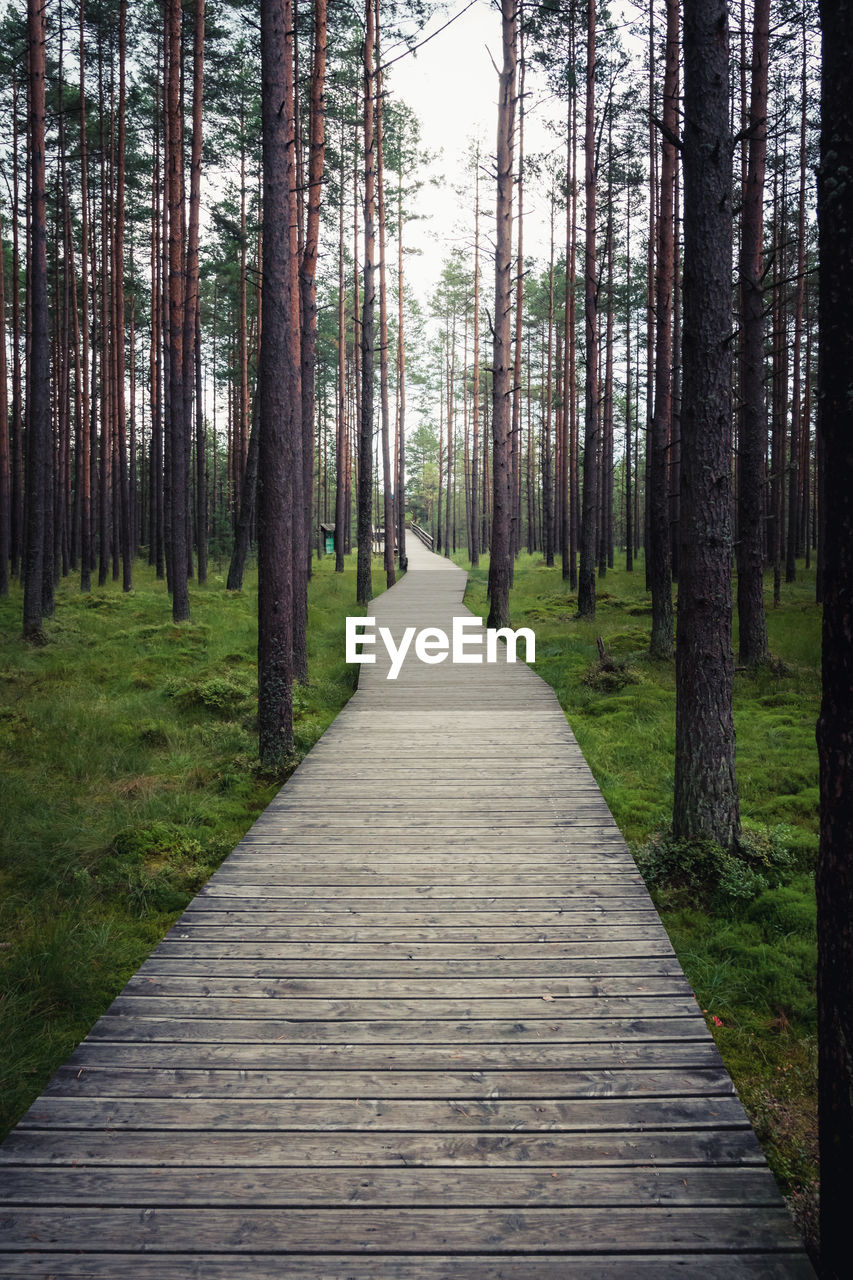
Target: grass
point(128, 757)
point(743, 928)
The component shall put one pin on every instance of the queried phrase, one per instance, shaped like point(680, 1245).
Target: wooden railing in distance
point(426, 538)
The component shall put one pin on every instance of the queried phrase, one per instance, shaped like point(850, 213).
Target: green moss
point(128, 748)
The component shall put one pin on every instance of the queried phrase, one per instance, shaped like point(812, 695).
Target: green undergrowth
point(743, 923)
point(128, 758)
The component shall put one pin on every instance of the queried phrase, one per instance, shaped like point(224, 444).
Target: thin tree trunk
point(364, 589)
point(308, 262)
point(341, 453)
point(659, 559)
point(178, 442)
point(547, 451)
point(125, 539)
point(503, 497)
point(591, 472)
point(796, 458)
point(387, 483)
point(5, 456)
point(246, 517)
point(191, 311)
point(752, 435)
point(516, 436)
point(629, 498)
point(571, 338)
point(401, 379)
point(475, 379)
point(38, 381)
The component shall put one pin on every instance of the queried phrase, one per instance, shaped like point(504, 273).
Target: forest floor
point(743, 927)
point(128, 756)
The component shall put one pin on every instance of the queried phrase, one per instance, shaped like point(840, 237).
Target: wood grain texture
point(423, 1024)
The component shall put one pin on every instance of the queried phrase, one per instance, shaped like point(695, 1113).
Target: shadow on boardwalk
point(424, 1023)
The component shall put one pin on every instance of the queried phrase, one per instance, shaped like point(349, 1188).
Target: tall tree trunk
point(341, 451)
point(85, 491)
point(307, 239)
point(5, 455)
point(779, 382)
point(660, 565)
point(39, 447)
point(364, 589)
point(629, 498)
point(752, 434)
point(279, 392)
point(178, 441)
point(650, 293)
point(16, 419)
point(308, 262)
point(547, 451)
point(591, 470)
point(516, 434)
point(401, 380)
point(570, 570)
point(125, 538)
point(798, 428)
point(835, 864)
point(387, 482)
point(241, 435)
point(191, 310)
point(500, 564)
point(475, 379)
point(606, 555)
point(706, 798)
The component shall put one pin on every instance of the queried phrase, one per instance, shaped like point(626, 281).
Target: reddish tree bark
point(387, 483)
point(752, 434)
point(591, 468)
point(500, 564)
point(660, 565)
point(279, 391)
point(364, 589)
point(39, 446)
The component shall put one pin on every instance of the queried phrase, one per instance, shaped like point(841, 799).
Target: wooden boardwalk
point(424, 1023)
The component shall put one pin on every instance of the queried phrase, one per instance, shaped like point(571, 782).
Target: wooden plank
point(533, 1230)
point(281, 1055)
point(145, 983)
point(520, 889)
point(261, 915)
point(410, 934)
point(568, 969)
point(202, 1265)
point(157, 1187)
point(308, 1009)
point(296, 1150)
point(119, 1081)
point(238, 897)
point(484, 1115)
point(390, 1031)
point(384, 949)
point(610, 970)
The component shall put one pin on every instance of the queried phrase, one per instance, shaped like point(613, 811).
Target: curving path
point(424, 1023)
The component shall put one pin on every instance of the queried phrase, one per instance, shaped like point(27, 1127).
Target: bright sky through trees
point(451, 84)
